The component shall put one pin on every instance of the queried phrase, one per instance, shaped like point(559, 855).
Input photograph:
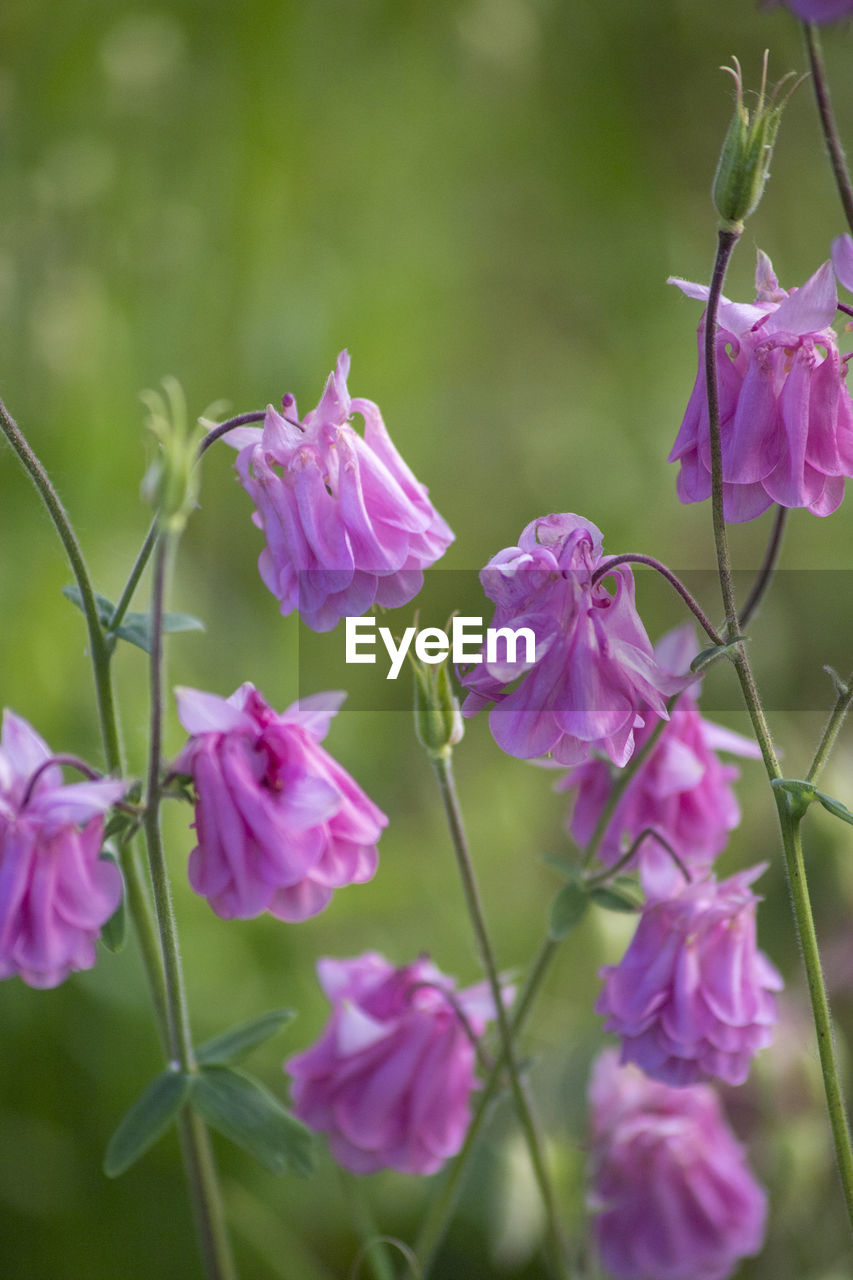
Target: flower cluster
point(391, 1076)
point(673, 1197)
point(594, 663)
point(280, 824)
point(56, 892)
point(346, 523)
point(786, 422)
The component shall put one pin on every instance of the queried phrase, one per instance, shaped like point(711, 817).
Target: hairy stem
point(607, 566)
point(444, 774)
point(833, 728)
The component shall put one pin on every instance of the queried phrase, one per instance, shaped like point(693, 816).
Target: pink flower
point(390, 1078)
point(691, 997)
point(347, 524)
point(593, 662)
point(55, 890)
point(681, 790)
point(786, 421)
point(842, 255)
point(820, 10)
point(672, 1193)
point(280, 824)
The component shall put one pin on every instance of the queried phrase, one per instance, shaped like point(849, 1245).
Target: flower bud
point(438, 722)
point(170, 484)
point(744, 164)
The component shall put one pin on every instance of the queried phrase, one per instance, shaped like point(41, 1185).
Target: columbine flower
point(347, 524)
point(673, 1196)
point(593, 663)
point(681, 790)
point(390, 1078)
point(842, 256)
point(820, 10)
point(279, 823)
point(55, 891)
point(691, 997)
point(786, 423)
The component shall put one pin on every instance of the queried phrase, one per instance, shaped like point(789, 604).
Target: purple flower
point(280, 824)
point(593, 662)
point(820, 10)
point(56, 892)
point(682, 790)
point(691, 997)
point(390, 1078)
point(672, 1193)
point(786, 423)
point(842, 256)
point(347, 524)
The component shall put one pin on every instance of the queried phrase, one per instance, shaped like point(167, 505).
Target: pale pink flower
point(391, 1076)
point(280, 824)
point(672, 1194)
point(692, 996)
point(346, 523)
point(786, 422)
point(56, 892)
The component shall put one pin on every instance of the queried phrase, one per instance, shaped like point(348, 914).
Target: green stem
point(444, 773)
point(136, 573)
point(195, 1140)
point(791, 843)
point(833, 728)
point(827, 120)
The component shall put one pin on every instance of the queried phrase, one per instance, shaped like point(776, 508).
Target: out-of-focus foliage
point(482, 200)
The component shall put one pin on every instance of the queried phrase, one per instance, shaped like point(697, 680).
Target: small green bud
point(744, 164)
point(438, 722)
point(170, 484)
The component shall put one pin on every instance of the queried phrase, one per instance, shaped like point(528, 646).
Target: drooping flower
point(682, 790)
point(820, 10)
point(593, 664)
point(56, 892)
point(672, 1194)
point(280, 824)
point(390, 1078)
point(346, 523)
point(786, 422)
point(692, 996)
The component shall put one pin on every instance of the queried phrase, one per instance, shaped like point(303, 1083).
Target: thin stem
point(195, 1141)
point(792, 846)
point(833, 727)
point(444, 774)
point(645, 834)
point(607, 566)
point(765, 573)
point(827, 120)
point(242, 420)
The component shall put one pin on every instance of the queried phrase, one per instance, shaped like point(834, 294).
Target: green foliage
point(146, 1121)
point(242, 1109)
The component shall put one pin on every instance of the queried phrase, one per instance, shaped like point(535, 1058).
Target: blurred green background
point(482, 200)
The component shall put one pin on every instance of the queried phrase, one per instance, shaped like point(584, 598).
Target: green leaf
point(567, 910)
point(614, 899)
point(563, 866)
point(243, 1110)
point(835, 807)
point(148, 1118)
point(713, 652)
point(240, 1040)
point(135, 628)
point(798, 792)
point(114, 931)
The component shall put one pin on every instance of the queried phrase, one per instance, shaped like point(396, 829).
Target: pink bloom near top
point(280, 824)
point(672, 1194)
point(682, 790)
point(56, 892)
point(821, 10)
point(390, 1078)
point(346, 523)
point(786, 423)
point(594, 664)
point(692, 997)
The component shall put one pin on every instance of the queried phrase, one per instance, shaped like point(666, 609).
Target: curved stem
point(833, 727)
point(241, 420)
point(607, 566)
point(827, 120)
point(765, 573)
point(645, 834)
point(790, 827)
point(444, 774)
point(201, 1173)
